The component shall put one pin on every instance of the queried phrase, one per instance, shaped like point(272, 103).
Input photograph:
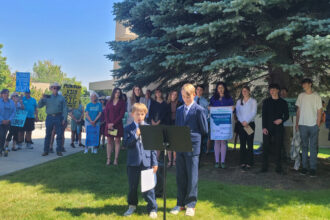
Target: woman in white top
point(246, 110)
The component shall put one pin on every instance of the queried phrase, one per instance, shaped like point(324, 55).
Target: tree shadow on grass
point(118, 210)
point(88, 174)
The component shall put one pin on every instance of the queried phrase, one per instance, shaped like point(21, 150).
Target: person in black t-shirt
point(274, 113)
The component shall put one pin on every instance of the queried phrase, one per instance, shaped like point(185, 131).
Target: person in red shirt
point(114, 113)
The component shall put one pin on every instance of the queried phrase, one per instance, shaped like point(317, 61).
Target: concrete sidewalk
point(18, 160)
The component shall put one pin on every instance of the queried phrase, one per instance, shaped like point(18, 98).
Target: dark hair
point(124, 97)
point(226, 93)
point(307, 80)
point(273, 86)
point(114, 92)
point(4, 91)
point(247, 88)
point(284, 88)
point(200, 86)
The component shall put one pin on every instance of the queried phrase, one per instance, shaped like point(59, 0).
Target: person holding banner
point(274, 113)
point(31, 106)
point(7, 113)
point(92, 115)
point(221, 98)
point(14, 130)
point(246, 111)
point(191, 115)
point(114, 114)
point(57, 114)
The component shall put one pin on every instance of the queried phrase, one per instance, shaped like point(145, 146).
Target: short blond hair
point(139, 107)
point(189, 89)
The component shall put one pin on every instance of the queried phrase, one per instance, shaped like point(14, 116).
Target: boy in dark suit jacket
point(138, 159)
point(192, 115)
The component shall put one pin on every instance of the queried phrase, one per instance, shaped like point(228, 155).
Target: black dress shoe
point(303, 171)
point(44, 154)
point(72, 145)
point(81, 145)
point(59, 154)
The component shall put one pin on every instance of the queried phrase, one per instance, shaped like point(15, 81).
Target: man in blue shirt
point(31, 106)
point(57, 114)
point(7, 113)
point(200, 100)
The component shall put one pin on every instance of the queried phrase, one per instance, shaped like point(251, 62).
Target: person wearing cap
point(14, 131)
point(308, 121)
point(57, 113)
point(31, 106)
point(7, 113)
point(275, 112)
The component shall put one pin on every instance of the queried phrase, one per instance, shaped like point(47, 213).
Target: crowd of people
point(111, 114)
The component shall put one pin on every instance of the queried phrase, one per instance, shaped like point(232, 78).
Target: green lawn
point(323, 152)
point(82, 187)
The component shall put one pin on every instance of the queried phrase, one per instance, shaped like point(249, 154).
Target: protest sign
point(292, 106)
point(92, 135)
point(221, 123)
point(71, 94)
point(19, 118)
point(22, 81)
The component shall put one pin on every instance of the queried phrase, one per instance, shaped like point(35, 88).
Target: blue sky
point(70, 33)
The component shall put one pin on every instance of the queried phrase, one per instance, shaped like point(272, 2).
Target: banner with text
point(221, 123)
point(19, 118)
point(92, 135)
point(22, 81)
point(71, 94)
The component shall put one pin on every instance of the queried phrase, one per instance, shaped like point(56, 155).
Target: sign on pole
point(22, 81)
point(92, 135)
point(71, 94)
point(19, 118)
point(221, 123)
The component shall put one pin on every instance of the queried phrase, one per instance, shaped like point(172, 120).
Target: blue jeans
point(51, 122)
point(309, 137)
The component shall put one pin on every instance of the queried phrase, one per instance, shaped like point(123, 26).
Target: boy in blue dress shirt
point(138, 159)
point(192, 115)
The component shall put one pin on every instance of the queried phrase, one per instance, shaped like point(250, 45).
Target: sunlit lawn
point(82, 187)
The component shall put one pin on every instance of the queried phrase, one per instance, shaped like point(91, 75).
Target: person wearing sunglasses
point(57, 113)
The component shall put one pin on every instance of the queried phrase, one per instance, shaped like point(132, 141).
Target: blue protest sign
point(92, 135)
point(221, 123)
point(19, 118)
point(22, 81)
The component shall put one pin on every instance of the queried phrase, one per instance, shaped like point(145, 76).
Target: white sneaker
point(153, 214)
point(95, 151)
point(176, 210)
point(190, 212)
point(131, 209)
point(86, 151)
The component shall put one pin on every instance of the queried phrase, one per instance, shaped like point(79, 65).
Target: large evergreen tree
point(238, 41)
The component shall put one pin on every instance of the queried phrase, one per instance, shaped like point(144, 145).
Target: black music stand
point(166, 138)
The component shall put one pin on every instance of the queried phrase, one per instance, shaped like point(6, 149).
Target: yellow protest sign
point(71, 94)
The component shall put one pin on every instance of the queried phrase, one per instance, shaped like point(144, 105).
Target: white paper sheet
point(148, 180)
